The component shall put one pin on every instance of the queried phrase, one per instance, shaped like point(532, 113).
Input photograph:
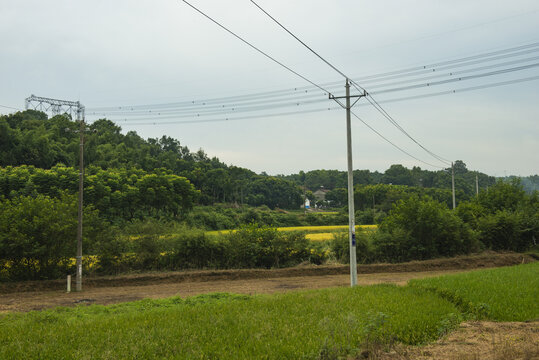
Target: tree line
point(30, 138)
point(397, 175)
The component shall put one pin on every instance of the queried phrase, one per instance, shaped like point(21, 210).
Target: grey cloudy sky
point(129, 53)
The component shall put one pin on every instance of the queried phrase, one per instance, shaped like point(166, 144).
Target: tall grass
point(502, 294)
point(287, 326)
point(310, 324)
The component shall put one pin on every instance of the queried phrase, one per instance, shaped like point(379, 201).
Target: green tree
point(422, 228)
point(37, 235)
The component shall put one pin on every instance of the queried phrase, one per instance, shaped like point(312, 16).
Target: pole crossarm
point(55, 106)
point(336, 98)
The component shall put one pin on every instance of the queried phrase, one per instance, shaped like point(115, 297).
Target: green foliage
point(503, 196)
point(254, 246)
point(117, 193)
point(340, 247)
point(382, 197)
point(38, 236)
point(29, 138)
point(503, 294)
point(397, 175)
point(274, 192)
point(283, 326)
point(505, 230)
point(505, 217)
point(222, 216)
point(154, 245)
point(422, 229)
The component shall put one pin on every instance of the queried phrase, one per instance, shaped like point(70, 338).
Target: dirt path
point(109, 290)
point(473, 340)
point(25, 301)
point(477, 340)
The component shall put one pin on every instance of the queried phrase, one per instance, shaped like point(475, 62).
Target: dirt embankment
point(485, 260)
point(473, 340)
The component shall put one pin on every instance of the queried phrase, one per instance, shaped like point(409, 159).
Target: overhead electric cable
point(415, 97)
point(464, 59)
point(231, 118)
point(261, 105)
point(298, 39)
point(378, 107)
point(11, 107)
point(462, 78)
point(391, 143)
point(425, 69)
point(455, 73)
point(255, 48)
point(455, 91)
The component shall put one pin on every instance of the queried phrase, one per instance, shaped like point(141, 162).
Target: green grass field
point(294, 325)
point(503, 294)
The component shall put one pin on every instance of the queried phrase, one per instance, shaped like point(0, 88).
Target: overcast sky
point(129, 53)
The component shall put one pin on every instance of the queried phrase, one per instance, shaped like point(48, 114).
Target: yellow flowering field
point(321, 232)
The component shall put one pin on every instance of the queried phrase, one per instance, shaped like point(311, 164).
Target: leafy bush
point(38, 236)
point(255, 246)
point(418, 229)
point(195, 250)
point(503, 196)
point(505, 230)
point(340, 247)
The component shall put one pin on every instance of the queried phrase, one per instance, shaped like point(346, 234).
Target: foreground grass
point(286, 326)
point(502, 294)
point(308, 325)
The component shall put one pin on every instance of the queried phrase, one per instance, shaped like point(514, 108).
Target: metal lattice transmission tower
point(55, 106)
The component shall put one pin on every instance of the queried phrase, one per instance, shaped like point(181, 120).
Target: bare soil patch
point(27, 296)
point(478, 340)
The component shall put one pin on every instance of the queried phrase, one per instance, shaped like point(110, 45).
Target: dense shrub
point(195, 250)
point(418, 229)
point(38, 236)
point(505, 230)
point(340, 247)
point(254, 246)
point(222, 217)
point(251, 246)
point(503, 196)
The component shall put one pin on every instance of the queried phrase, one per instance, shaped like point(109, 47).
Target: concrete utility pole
point(453, 184)
point(57, 107)
point(78, 281)
point(476, 185)
point(351, 212)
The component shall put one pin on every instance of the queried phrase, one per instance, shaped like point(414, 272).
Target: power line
point(298, 39)
point(380, 109)
point(230, 118)
point(277, 101)
point(391, 143)
point(373, 102)
point(429, 68)
point(456, 73)
point(456, 61)
point(255, 48)
point(462, 78)
point(454, 91)
point(10, 107)
point(414, 97)
point(509, 82)
point(273, 104)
